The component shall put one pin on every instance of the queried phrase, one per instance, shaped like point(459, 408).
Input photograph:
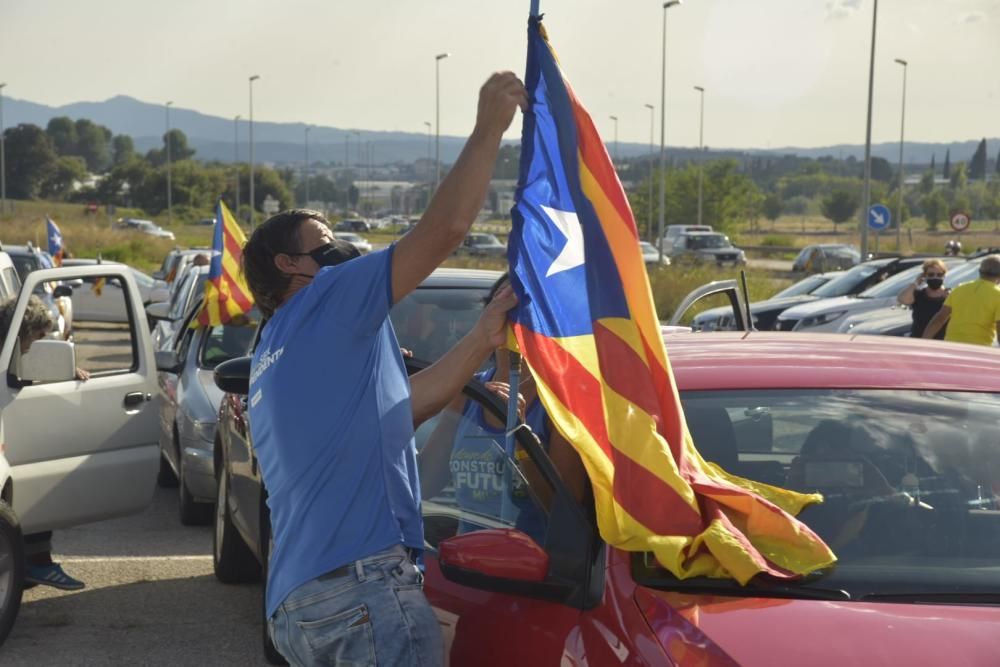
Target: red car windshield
point(910, 479)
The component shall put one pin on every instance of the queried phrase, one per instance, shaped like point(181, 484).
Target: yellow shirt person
point(972, 310)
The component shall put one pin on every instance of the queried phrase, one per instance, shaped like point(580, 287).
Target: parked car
point(358, 242)
point(854, 281)
point(175, 259)
point(706, 247)
point(673, 231)
point(428, 322)
point(352, 225)
point(56, 296)
point(190, 408)
point(651, 255)
point(78, 451)
point(146, 227)
point(764, 313)
point(478, 244)
point(821, 257)
point(168, 315)
point(895, 319)
point(829, 314)
point(912, 509)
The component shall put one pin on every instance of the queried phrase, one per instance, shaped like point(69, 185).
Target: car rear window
point(429, 321)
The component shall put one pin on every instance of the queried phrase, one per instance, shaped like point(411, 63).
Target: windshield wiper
point(761, 589)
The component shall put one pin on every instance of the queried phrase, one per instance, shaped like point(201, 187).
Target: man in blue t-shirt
point(332, 417)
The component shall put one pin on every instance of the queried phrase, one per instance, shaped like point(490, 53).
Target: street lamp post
point(170, 190)
point(649, 217)
point(3, 165)
point(615, 119)
point(437, 117)
point(236, 160)
point(430, 139)
point(867, 197)
point(305, 170)
point(701, 148)
point(253, 208)
point(663, 144)
point(902, 125)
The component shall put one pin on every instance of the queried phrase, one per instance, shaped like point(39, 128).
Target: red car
point(901, 437)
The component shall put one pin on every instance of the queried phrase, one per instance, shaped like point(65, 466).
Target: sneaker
point(52, 575)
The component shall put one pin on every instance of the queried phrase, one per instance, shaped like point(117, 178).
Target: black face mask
point(935, 283)
point(329, 254)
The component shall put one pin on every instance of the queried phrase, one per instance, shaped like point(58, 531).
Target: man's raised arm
point(460, 195)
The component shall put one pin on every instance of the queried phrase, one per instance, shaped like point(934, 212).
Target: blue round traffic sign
point(879, 217)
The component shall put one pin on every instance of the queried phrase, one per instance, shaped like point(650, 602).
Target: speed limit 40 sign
point(960, 221)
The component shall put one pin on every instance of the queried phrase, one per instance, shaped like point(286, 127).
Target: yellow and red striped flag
point(587, 327)
point(226, 293)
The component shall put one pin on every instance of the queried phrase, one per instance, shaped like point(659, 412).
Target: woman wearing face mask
point(925, 296)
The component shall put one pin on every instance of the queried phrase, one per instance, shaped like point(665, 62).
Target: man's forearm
point(433, 387)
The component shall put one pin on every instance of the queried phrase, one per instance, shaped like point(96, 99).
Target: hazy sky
point(777, 72)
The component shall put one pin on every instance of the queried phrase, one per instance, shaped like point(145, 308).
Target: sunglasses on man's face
point(934, 275)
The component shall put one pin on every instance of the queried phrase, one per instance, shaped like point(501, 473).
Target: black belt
point(345, 570)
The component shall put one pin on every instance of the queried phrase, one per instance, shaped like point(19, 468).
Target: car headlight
point(819, 320)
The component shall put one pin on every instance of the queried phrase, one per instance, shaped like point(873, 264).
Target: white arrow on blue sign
point(879, 217)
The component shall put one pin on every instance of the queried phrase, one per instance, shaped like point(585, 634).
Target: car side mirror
point(498, 553)
point(48, 361)
point(233, 376)
point(159, 311)
point(167, 361)
point(62, 290)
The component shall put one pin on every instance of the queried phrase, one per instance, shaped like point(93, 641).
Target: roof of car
point(461, 278)
point(20, 250)
point(701, 233)
point(786, 360)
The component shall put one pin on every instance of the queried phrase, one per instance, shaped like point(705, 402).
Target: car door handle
point(135, 398)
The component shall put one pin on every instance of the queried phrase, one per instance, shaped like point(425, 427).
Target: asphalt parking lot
point(151, 599)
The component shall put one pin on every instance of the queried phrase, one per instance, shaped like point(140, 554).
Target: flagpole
point(506, 505)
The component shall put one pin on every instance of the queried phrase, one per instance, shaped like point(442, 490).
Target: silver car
point(190, 407)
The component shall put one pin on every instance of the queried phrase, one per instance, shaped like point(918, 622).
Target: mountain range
point(283, 143)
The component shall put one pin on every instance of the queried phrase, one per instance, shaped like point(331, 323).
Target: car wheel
point(192, 512)
point(232, 560)
point(11, 569)
point(271, 653)
point(166, 478)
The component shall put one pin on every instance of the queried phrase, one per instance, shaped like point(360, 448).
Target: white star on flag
point(572, 253)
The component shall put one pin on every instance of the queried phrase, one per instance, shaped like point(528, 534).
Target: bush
point(779, 241)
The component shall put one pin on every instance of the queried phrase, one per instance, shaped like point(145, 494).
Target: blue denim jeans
point(374, 613)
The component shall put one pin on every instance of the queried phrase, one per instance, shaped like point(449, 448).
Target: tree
point(772, 206)
point(68, 170)
point(30, 160)
point(62, 134)
point(946, 172)
point(881, 169)
point(92, 142)
point(959, 177)
point(934, 206)
point(122, 149)
point(840, 206)
point(933, 158)
point(977, 165)
point(926, 182)
point(797, 205)
point(179, 149)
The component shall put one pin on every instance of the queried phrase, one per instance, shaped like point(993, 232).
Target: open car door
point(81, 451)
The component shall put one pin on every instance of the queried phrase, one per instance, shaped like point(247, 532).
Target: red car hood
point(758, 632)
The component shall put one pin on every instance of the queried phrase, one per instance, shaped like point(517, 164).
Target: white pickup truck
point(78, 451)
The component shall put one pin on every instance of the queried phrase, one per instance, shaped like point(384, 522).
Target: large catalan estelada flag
point(55, 240)
point(226, 293)
point(587, 327)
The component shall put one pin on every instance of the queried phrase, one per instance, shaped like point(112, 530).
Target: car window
point(893, 284)
point(707, 241)
point(962, 274)
point(846, 282)
point(429, 321)
point(25, 264)
point(228, 341)
point(910, 479)
point(469, 482)
point(10, 283)
point(804, 286)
